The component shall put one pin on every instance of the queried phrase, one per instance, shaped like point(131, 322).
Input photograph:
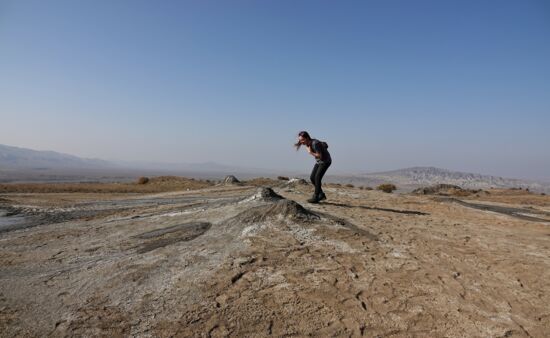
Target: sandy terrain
point(243, 261)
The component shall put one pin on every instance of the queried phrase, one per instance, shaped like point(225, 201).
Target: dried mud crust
point(170, 235)
point(238, 261)
point(528, 214)
point(36, 215)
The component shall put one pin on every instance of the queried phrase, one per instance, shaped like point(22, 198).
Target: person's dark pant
point(317, 174)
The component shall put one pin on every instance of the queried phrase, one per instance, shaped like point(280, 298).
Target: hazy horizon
point(218, 169)
point(462, 86)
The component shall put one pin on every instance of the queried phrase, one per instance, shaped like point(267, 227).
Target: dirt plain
point(241, 260)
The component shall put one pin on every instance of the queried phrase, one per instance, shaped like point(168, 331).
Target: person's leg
point(314, 173)
point(313, 177)
point(319, 176)
point(322, 195)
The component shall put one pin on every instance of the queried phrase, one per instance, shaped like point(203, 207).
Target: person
point(319, 150)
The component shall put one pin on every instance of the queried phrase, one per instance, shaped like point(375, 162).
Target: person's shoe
point(322, 196)
point(314, 199)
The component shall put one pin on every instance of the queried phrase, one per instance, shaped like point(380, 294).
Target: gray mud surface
point(528, 214)
point(242, 261)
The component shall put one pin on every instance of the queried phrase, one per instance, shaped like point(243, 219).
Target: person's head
point(303, 139)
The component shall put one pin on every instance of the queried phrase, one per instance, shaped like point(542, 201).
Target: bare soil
point(240, 260)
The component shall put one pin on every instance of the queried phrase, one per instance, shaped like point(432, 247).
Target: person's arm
point(313, 153)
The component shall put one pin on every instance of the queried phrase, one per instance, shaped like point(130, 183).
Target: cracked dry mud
point(242, 261)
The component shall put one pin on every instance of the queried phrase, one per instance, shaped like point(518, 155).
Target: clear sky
point(463, 85)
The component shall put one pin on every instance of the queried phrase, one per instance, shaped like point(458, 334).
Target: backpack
point(323, 144)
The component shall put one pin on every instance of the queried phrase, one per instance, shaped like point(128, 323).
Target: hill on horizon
point(12, 157)
point(422, 176)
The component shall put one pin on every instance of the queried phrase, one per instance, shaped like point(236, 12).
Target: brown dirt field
point(231, 261)
point(155, 184)
point(264, 181)
point(511, 196)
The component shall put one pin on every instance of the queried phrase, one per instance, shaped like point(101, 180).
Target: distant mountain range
point(20, 164)
point(22, 158)
point(410, 178)
point(26, 165)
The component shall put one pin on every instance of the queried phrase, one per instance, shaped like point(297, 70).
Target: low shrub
point(387, 187)
point(143, 180)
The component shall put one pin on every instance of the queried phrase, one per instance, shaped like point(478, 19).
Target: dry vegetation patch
point(387, 187)
point(264, 182)
point(154, 184)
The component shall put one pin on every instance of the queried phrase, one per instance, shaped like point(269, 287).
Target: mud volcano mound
point(230, 179)
point(296, 182)
point(264, 194)
point(283, 209)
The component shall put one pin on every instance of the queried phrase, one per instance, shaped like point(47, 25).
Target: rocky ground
point(241, 260)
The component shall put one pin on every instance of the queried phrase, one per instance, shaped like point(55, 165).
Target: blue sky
point(463, 85)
